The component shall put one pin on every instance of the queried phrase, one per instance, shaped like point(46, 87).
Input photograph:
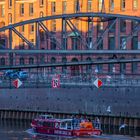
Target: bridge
point(86, 56)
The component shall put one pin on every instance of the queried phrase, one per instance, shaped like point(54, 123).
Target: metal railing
point(41, 80)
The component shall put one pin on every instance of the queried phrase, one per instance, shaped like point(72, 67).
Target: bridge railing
point(40, 80)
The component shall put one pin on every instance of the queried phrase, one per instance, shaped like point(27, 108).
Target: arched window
point(42, 35)
point(110, 66)
point(2, 24)
point(21, 61)
point(42, 59)
point(21, 44)
point(64, 68)
point(88, 67)
point(31, 60)
point(134, 66)
point(41, 14)
point(2, 61)
point(74, 69)
point(99, 66)
point(122, 66)
point(10, 18)
point(53, 60)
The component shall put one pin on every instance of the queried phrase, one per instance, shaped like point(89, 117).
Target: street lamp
point(96, 71)
point(114, 70)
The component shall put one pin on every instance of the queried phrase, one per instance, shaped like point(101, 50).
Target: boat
point(48, 125)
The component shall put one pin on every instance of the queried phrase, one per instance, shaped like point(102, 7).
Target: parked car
point(12, 74)
point(9, 73)
point(22, 75)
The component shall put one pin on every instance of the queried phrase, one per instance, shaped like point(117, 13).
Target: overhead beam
point(68, 52)
point(109, 61)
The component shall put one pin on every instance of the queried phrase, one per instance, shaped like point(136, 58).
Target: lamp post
point(96, 71)
point(114, 70)
point(109, 112)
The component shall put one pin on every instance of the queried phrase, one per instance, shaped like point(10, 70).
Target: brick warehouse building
point(13, 11)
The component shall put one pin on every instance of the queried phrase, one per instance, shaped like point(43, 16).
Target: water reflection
point(15, 130)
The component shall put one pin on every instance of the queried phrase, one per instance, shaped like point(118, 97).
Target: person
point(73, 121)
point(97, 122)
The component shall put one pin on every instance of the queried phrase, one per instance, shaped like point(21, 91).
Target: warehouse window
point(10, 18)
point(134, 66)
point(111, 43)
point(21, 9)
point(31, 9)
point(2, 61)
point(53, 7)
point(31, 60)
point(10, 3)
point(89, 5)
point(123, 26)
point(100, 5)
point(111, 5)
point(53, 25)
point(123, 4)
point(2, 10)
point(21, 61)
point(64, 6)
point(41, 2)
point(135, 4)
point(135, 43)
point(76, 6)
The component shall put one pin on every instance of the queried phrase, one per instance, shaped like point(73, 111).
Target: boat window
point(48, 124)
point(40, 123)
point(63, 125)
point(42, 117)
point(68, 125)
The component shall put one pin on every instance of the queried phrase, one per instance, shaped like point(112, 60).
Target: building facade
point(13, 11)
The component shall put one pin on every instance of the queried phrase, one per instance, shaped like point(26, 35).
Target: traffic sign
point(17, 83)
point(98, 83)
point(56, 82)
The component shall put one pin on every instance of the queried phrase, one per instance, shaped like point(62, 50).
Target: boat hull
point(62, 132)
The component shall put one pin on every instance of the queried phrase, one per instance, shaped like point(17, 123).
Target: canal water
point(17, 130)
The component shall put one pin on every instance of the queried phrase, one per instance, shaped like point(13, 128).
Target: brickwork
point(13, 13)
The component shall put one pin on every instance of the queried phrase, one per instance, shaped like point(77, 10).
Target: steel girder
point(68, 16)
point(78, 52)
point(133, 33)
point(41, 24)
point(74, 29)
point(109, 61)
point(108, 28)
point(21, 36)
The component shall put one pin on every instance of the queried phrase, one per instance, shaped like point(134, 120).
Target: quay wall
point(26, 103)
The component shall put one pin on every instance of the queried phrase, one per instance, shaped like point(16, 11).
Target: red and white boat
point(48, 125)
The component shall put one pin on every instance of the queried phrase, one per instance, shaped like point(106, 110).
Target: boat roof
point(55, 120)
